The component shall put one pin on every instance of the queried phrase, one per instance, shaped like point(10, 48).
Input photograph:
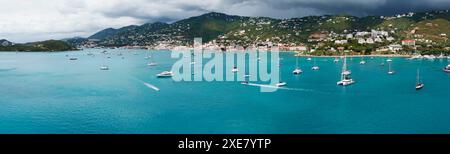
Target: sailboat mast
point(344, 68)
point(389, 67)
point(418, 76)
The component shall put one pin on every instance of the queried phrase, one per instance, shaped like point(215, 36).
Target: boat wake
point(7, 69)
point(276, 87)
point(148, 84)
point(151, 86)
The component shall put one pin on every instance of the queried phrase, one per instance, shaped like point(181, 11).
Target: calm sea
point(47, 93)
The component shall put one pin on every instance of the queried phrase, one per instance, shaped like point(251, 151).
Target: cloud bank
point(25, 21)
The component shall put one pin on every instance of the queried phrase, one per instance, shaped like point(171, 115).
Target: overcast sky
point(34, 20)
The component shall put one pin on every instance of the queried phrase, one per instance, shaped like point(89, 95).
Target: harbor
point(48, 93)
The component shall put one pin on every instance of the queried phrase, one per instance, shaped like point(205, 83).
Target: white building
point(370, 41)
point(395, 47)
point(361, 34)
point(340, 42)
point(379, 40)
point(361, 41)
point(390, 38)
point(349, 36)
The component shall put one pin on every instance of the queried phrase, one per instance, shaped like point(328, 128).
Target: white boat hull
point(345, 82)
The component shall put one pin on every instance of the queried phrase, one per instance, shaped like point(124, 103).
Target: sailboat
point(297, 69)
point(419, 84)
point(151, 63)
point(315, 67)
point(362, 62)
point(345, 75)
point(447, 68)
point(390, 69)
point(235, 69)
point(336, 60)
point(104, 67)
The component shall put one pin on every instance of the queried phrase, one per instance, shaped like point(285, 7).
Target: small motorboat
point(244, 82)
point(152, 64)
point(104, 68)
point(247, 76)
point(309, 59)
point(165, 74)
point(73, 58)
point(389, 60)
point(281, 84)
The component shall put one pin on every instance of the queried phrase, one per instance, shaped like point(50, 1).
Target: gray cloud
point(24, 21)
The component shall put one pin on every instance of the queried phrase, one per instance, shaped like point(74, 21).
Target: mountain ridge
point(224, 28)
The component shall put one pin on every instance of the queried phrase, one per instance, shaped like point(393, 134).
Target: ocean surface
point(48, 93)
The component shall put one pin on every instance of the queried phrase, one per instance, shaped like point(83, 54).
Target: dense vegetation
point(50, 45)
point(251, 30)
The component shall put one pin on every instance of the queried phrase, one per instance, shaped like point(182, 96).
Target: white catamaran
point(345, 75)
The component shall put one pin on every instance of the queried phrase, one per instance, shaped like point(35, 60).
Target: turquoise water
point(47, 93)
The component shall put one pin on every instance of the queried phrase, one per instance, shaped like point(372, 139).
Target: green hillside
point(50, 45)
point(252, 30)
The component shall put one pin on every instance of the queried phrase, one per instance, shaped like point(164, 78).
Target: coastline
point(285, 51)
point(401, 56)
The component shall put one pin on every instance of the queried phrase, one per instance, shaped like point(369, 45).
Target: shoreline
point(237, 51)
point(401, 56)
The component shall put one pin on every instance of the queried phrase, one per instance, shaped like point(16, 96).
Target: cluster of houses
point(362, 37)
